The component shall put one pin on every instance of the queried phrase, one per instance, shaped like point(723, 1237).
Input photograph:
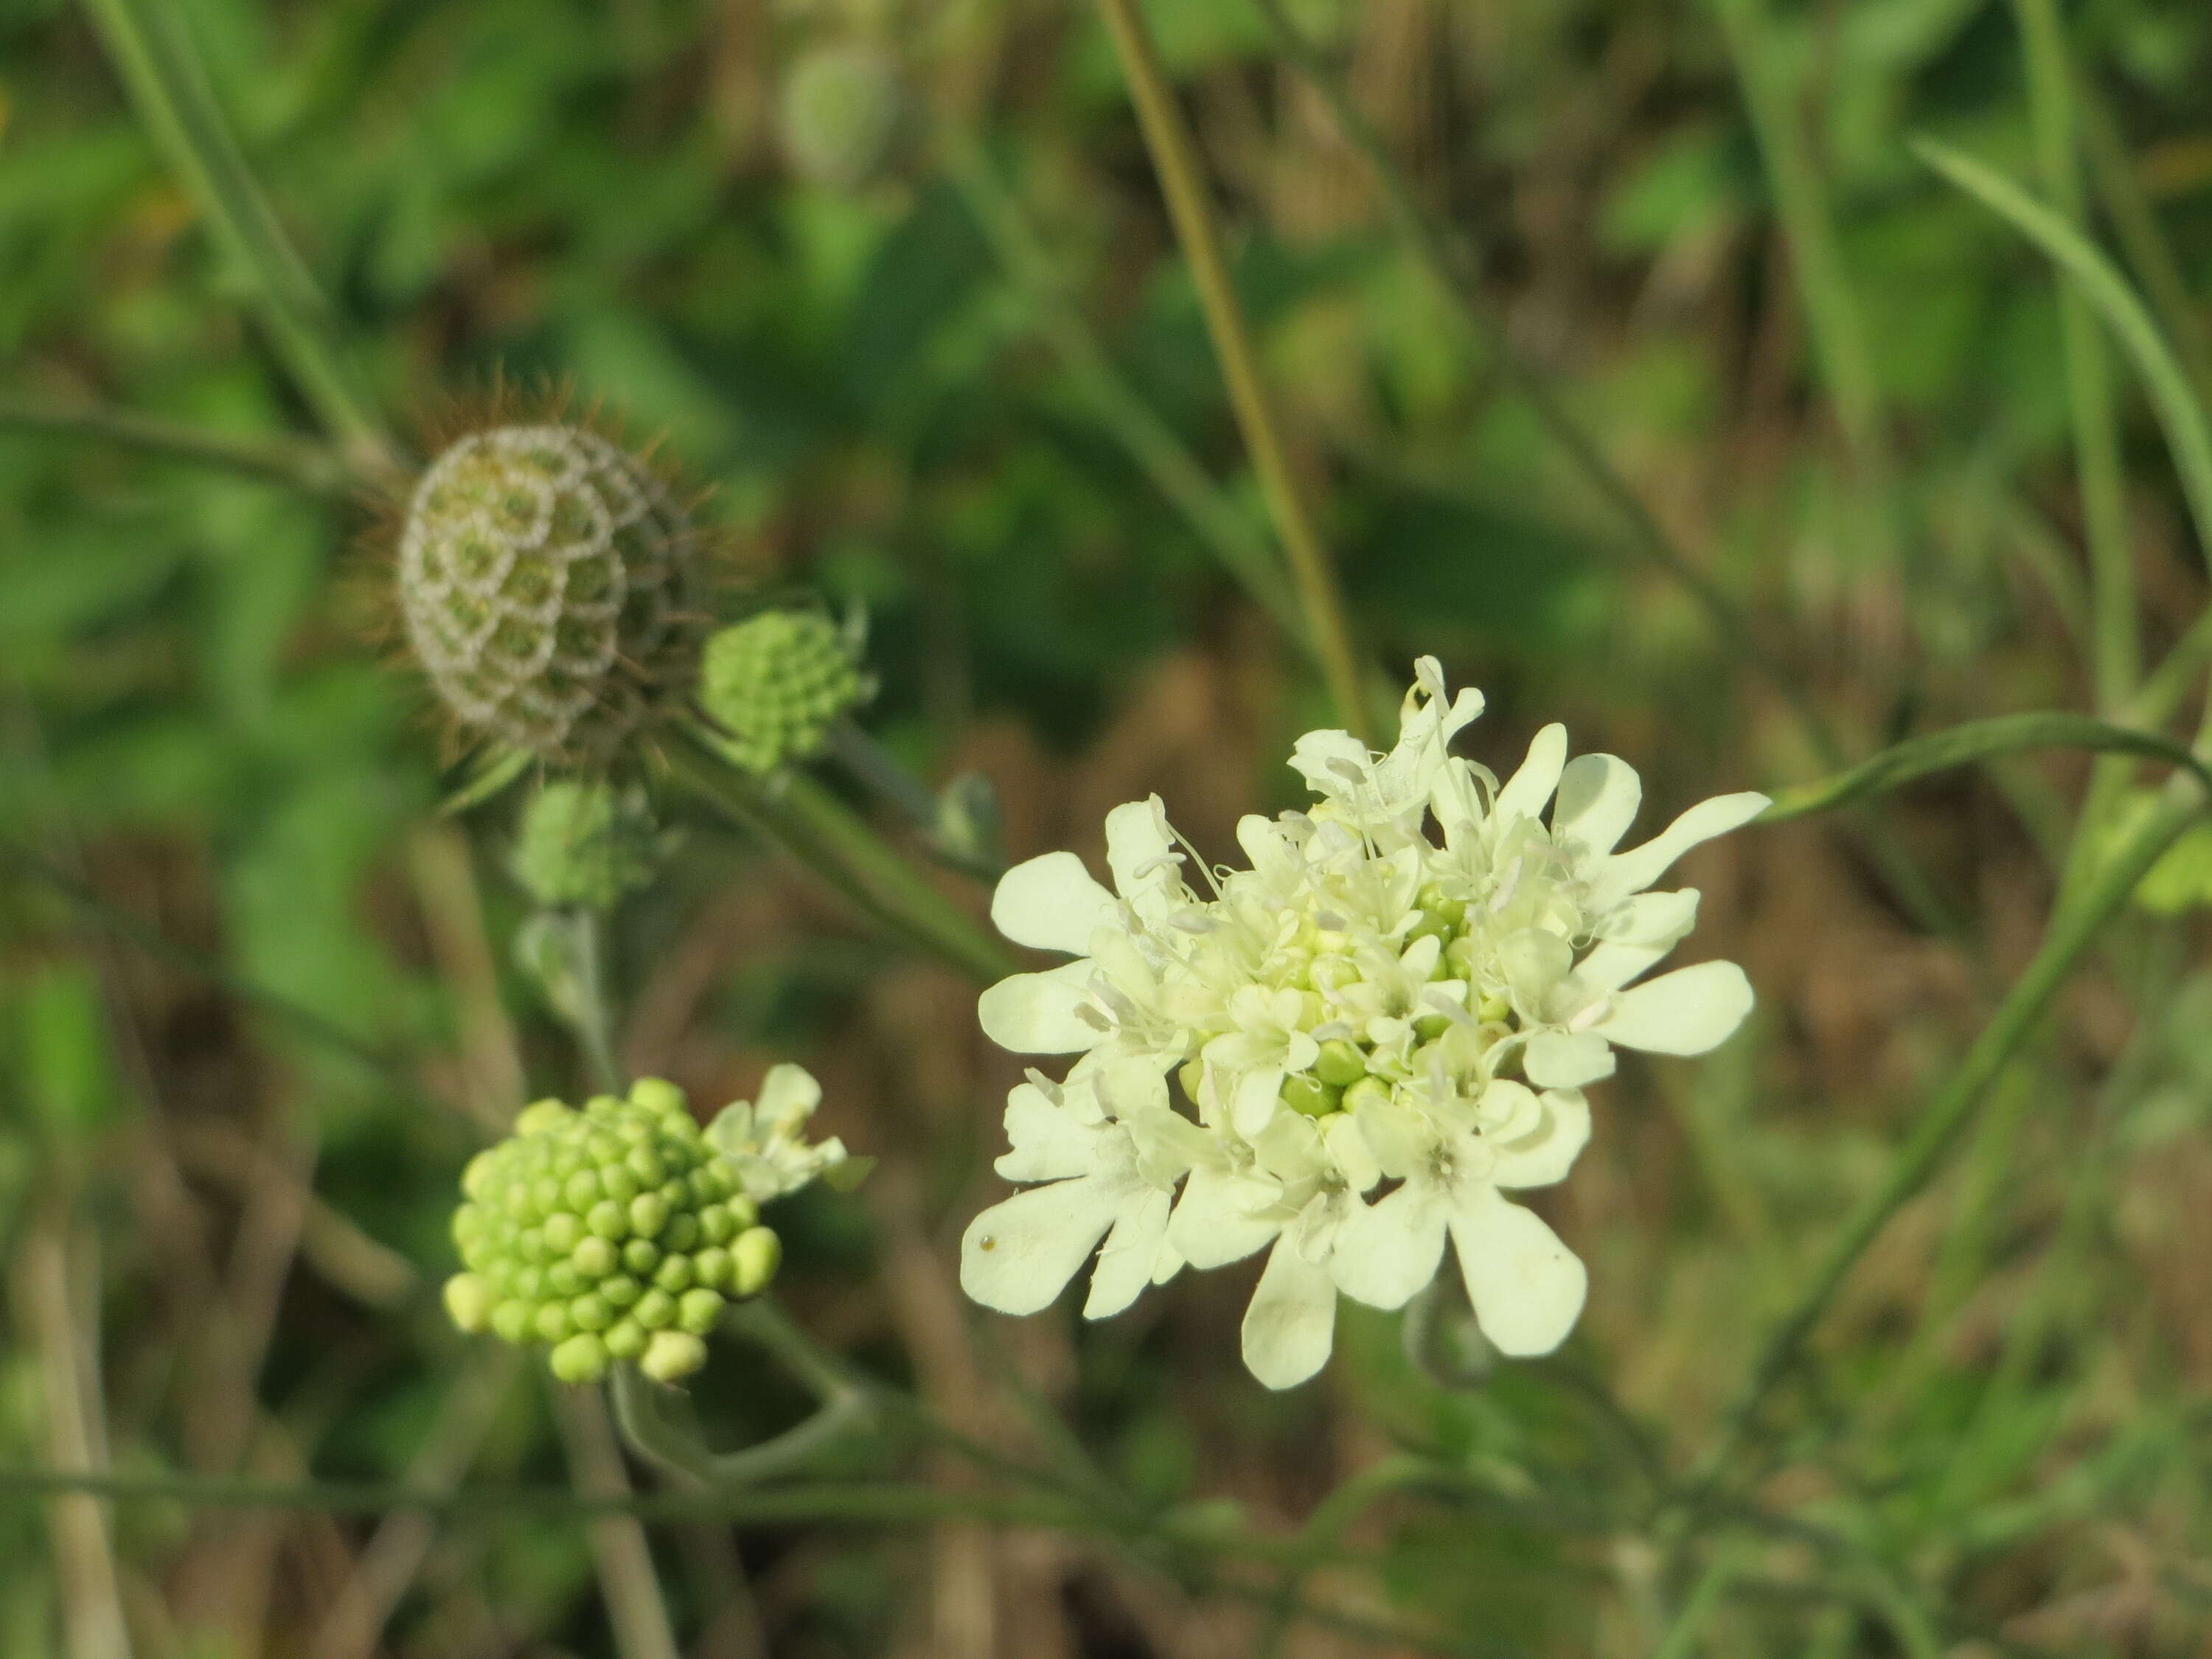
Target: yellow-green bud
point(579, 1359)
point(1341, 1064)
point(775, 683)
point(754, 1258)
point(671, 1356)
point(699, 1311)
point(469, 1302)
point(583, 844)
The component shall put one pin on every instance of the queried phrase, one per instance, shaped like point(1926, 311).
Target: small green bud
point(563, 1231)
point(595, 1258)
point(1341, 1064)
point(1368, 1091)
point(716, 1226)
point(581, 1190)
point(671, 1356)
point(682, 1233)
point(648, 1214)
point(674, 1275)
point(563, 1280)
point(624, 1339)
point(469, 1302)
point(579, 1359)
point(1430, 1027)
point(618, 1183)
point(608, 1220)
point(658, 1094)
point(713, 1267)
point(513, 1320)
point(755, 1257)
point(552, 1321)
point(645, 1163)
point(699, 1311)
point(1308, 1095)
point(591, 1313)
point(655, 1309)
point(640, 1255)
point(539, 1116)
point(621, 1291)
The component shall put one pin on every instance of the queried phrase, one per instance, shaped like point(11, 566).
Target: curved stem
point(640, 1412)
point(1175, 158)
point(1953, 1106)
point(827, 837)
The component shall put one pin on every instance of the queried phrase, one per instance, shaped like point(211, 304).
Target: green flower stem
point(876, 769)
point(154, 54)
point(2117, 644)
point(290, 462)
point(822, 833)
point(595, 1009)
point(1175, 159)
point(1953, 1106)
point(1211, 512)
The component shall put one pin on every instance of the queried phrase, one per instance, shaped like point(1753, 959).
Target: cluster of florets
point(776, 682)
point(1377, 1030)
point(548, 583)
point(612, 1233)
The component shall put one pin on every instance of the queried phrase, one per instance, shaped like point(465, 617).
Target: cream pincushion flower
point(1377, 1032)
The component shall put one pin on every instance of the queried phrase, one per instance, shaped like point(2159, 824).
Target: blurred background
point(896, 282)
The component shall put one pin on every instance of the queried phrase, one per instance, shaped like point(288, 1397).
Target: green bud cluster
point(614, 1232)
point(548, 579)
point(838, 112)
point(775, 683)
point(583, 844)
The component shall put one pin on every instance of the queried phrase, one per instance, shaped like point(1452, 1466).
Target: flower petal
point(1527, 789)
point(1638, 868)
point(1528, 1288)
point(1564, 1060)
point(1133, 1247)
point(1018, 1255)
point(1598, 798)
point(1140, 850)
point(1049, 1142)
point(1545, 1155)
point(789, 1095)
point(1047, 1014)
point(1684, 1012)
point(1223, 1217)
point(1390, 1249)
point(1291, 1323)
point(1051, 903)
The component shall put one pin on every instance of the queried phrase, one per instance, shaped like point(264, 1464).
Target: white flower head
point(1378, 1030)
point(765, 1143)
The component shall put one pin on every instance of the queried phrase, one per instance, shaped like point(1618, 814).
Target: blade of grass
point(154, 54)
point(1174, 159)
point(1961, 745)
point(300, 465)
point(2118, 659)
point(2173, 399)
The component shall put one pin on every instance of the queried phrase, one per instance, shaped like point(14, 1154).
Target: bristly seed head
point(551, 586)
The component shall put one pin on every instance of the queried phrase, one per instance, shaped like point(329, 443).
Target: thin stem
point(1953, 1106)
point(154, 54)
point(821, 833)
point(2118, 646)
point(1175, 159)
point(876, 769)
point(641, 1411)
point(1149, 441)
point(620, 1551)
point(1681, 1639)
point(287, 461)
point(595, 1007)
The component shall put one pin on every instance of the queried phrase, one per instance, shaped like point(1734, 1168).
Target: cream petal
point(1390, 1249)
point(1223, 1217)
point(1334, 763)
point(1140, 850)
point(789, 1095)
point(1291, 1325)
point(1566, 1060)
point(1049, 1142)
point(1651, 918)
point(1684, 1012)
point(1533, 960)
point(1046, 1013)
point(1528, 1288)
point(1347, 1148)
point(1258, 1100)
point(1638, 868)
point(1125, 1265)
point(1527, 789)
point(1051, 903)
point(1018, 1254)
point(1544, 1157)
point(1598, 798)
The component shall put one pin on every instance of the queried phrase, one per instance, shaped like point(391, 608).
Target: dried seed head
point(549, 583)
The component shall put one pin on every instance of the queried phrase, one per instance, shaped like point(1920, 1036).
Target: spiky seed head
point(565, 1217)
point(776, 682)
point(584, 842)
point(839, 112)
point(548, 580)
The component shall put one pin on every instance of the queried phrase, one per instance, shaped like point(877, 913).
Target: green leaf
point(2107, 293)
point(1979, 740)
point(66, 1050)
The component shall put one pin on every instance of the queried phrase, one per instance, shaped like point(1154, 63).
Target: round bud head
point(671, 1356)
point(838, 112)
point(547, 579)
point(776, 682)
point(583, 842)
point(556, 1260)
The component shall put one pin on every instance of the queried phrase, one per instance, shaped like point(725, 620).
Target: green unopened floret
point(614, 1232)
point(776, 682)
